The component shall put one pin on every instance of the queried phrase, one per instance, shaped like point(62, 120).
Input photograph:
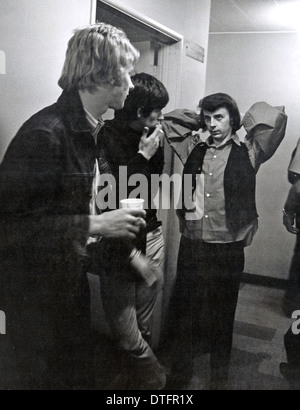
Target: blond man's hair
point(96, 55)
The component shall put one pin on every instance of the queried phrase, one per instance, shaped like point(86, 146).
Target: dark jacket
point(121, 145)
point(292, 204)
point(45, 187)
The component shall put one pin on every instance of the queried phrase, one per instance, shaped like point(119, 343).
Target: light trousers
point(129, 308)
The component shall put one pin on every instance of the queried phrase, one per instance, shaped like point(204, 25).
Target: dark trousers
point(291, 369)
point(291, 300)
point(50, 344)
point(294, 274)
point(292, 348)
point(208, 274)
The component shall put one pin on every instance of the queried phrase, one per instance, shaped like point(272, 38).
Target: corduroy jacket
point(45, 190)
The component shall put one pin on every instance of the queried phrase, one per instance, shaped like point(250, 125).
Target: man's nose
point(160, 118)
point(212, 123)
point(131, 86)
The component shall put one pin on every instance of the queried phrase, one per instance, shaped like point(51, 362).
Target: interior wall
point(34, 36)
point(263, 67)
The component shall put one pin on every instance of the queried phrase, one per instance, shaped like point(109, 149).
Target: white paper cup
point(132, 203)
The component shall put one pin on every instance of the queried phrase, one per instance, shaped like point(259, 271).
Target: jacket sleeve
point(294, 166)
point(292, 204)
point(30, 183)
point(180, 127)
point(265, 126)
point(138, 165)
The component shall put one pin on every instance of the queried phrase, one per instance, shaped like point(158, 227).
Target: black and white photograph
point(150, 197)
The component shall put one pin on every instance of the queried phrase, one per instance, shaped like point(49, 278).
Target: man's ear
point(140, 112)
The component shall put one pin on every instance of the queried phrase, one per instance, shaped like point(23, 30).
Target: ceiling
point(254, 16)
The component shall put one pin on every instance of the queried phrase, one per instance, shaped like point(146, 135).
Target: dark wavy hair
point(148, 94)
point(220, 100)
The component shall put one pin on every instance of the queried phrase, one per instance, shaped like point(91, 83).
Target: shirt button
point(215, 156)
point(208, 195)
point(210, 174)
point(206, 216)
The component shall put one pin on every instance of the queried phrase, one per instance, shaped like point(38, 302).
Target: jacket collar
point(70, 104)
point(126, 134)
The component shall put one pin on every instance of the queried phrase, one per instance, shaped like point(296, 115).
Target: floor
point(257, 347)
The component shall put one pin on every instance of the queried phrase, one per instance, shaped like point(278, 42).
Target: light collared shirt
point(95, 127)
point(208, 223)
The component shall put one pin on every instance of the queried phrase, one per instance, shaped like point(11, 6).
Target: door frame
point(172, 54)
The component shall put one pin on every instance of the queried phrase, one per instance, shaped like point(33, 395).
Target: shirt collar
point(95, 124)
point(234, 138)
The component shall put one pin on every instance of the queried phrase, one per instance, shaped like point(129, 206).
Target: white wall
point(263, 67)
point(34, 36)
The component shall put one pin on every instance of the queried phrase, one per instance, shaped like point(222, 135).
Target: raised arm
point(179, 127)
point(265, 126)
